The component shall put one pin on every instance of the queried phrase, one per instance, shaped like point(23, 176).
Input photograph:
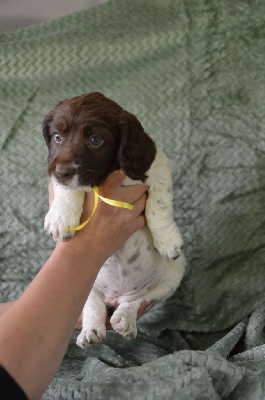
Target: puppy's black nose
point(64, 172)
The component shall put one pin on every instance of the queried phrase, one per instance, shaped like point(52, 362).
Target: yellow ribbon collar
point(114, 203)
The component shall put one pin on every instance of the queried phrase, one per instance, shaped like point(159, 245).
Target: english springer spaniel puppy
point(88, 138)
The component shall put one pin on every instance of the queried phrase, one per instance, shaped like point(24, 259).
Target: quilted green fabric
point(193, 73)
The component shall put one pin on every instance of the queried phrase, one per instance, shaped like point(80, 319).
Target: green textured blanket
point(193, 73)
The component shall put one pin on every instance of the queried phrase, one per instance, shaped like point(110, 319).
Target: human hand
point(110, 226)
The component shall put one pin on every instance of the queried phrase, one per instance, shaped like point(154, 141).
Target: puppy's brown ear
point(137, 150)
point(45, 130)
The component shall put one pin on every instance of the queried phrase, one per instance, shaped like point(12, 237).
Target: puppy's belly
point(131, 272)
point(110, 300)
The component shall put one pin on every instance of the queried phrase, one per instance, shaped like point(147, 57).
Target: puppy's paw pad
point(125, 325)
point(91, 337)
point(56, 224)
point(170, 249)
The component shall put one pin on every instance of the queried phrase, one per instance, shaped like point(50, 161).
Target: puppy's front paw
point(170, 246)
point(91, 336)
point(123, 321)
point(55, 223)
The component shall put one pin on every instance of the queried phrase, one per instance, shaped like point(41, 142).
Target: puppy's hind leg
point(94, 321)
point(124, 318)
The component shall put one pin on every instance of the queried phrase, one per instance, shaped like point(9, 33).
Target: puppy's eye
point(57, 137)
point(95, 141)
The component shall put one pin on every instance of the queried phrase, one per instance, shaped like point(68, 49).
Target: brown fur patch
point(124, 143)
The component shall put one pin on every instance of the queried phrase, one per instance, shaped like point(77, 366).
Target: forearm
point(35, 331)
point(62, 286)
point(5, 307)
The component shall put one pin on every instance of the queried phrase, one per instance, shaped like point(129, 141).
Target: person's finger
point(115, 179)
point(139, 205)
point(108, 324)
point(140, 222)
point(88, 206)
point(142, 309)
point(129, 193)
point(135, 192)
point(145, 306)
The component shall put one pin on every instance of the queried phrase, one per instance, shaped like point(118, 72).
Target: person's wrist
point(80, 250)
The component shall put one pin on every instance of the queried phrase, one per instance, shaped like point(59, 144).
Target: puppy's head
point(90, 136)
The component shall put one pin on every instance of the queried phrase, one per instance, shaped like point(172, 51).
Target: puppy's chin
point(81, 181)
point(72, 183)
